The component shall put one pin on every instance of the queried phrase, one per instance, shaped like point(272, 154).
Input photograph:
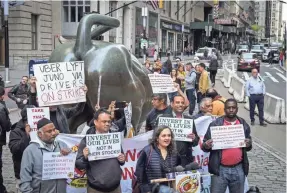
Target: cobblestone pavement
point(267, 167)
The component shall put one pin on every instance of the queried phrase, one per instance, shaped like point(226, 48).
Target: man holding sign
point(183, 128)
point(228, 160)
point(32, 161)
point(104, 173)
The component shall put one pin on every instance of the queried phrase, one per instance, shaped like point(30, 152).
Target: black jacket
point(19, 91)
point(213, 66)
point(103, 175)
point(183, 148)
point(151, 166)
point(215, 155)
point(5, 124)
point(18, 142)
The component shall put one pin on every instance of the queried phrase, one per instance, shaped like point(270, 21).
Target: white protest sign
point(57, 166)
point(34, 115)
point(181, 128)
point(161, 83)
point(188, 183)
point(60, 83)
point(128, 116)
point(103, 146)
point(229, 136)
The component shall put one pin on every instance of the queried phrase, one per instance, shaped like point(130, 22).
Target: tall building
point(260, 15)
point(276, 20)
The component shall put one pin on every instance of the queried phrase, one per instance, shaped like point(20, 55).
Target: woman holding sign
point(157, 159)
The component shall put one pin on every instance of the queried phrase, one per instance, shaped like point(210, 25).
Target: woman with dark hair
point(181, 76)
point(174, 78)
point(157, 159)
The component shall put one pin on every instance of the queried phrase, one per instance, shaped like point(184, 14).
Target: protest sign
point(103, 146)
point(181, 128)
point(128, 116)
point(33, 116)
point(77, 184)
point(60, 83)
point(188, 183)
point(58, 166)
point(161, 83)
point(229, 136)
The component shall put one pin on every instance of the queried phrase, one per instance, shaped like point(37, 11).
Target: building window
point(74, 10)
point(34, 24)
point(169, 8)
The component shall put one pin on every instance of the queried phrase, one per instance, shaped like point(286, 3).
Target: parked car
point(257, 49)
point(266, 52)
point(242, 48)
point(248, 61)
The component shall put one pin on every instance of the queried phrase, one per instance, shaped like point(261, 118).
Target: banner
point(78, 184)
point(229, 136)
point(34, 115)
point(188, 183)
point(181, 128)
point(58, 166)
point(161, 83)
point(103, 146)
point(60, 83)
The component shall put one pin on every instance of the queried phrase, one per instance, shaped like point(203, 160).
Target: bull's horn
point(84, 41)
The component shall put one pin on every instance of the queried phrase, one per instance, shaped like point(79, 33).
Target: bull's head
point(123, 77)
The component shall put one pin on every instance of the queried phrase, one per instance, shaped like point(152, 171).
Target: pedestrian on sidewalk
point(5, 126)
point(159, 53)
point(181, 75)
point(228, 166)
point(213, 68)
point(168, 65)
point(281, 57)
point(32, 160)
point(19, 93)
point(155, 55)
point(104, 176)
point(255, 90)
point(190, 79)
point(271, 56)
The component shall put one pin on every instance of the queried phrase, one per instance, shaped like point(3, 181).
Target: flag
point(154, 4)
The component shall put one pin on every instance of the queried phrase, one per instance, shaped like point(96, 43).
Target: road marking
point(270, 76)
point(267, 66)
point(246, 76)
point(282, 76)
point(278, 70)
point(260, 77)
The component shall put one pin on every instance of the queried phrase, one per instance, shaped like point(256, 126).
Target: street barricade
point(274, 109)
point(219, 74)
point(226, 79)
point(236, 88)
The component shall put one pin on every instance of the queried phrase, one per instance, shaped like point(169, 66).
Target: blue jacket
point(215, 155)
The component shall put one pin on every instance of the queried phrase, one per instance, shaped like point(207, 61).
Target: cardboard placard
point(57, 166)
point(229, 136)
point(103, 146)
point(161, 83)
point(60, 83)
point(180, 127)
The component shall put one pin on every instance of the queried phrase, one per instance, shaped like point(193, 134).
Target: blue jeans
point(233, 178)
point(190, 93)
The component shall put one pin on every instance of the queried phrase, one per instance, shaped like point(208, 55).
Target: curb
point(283, 68)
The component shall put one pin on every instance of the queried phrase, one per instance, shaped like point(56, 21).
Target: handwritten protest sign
point(128, 116)
point(161, 83)
point(60, 83)
point(57, 166)
point(103, 146)
point(34, 115)
point(188, 183)
point(225, 137)
point(180, 127)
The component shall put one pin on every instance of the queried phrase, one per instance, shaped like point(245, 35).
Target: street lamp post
point(6, 14)
point(144, 15)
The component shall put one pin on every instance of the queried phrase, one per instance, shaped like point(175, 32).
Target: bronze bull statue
point(124, 78)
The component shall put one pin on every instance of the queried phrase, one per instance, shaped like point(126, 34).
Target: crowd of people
point(228, 167)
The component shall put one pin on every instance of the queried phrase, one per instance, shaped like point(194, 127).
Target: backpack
point(135, 184)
